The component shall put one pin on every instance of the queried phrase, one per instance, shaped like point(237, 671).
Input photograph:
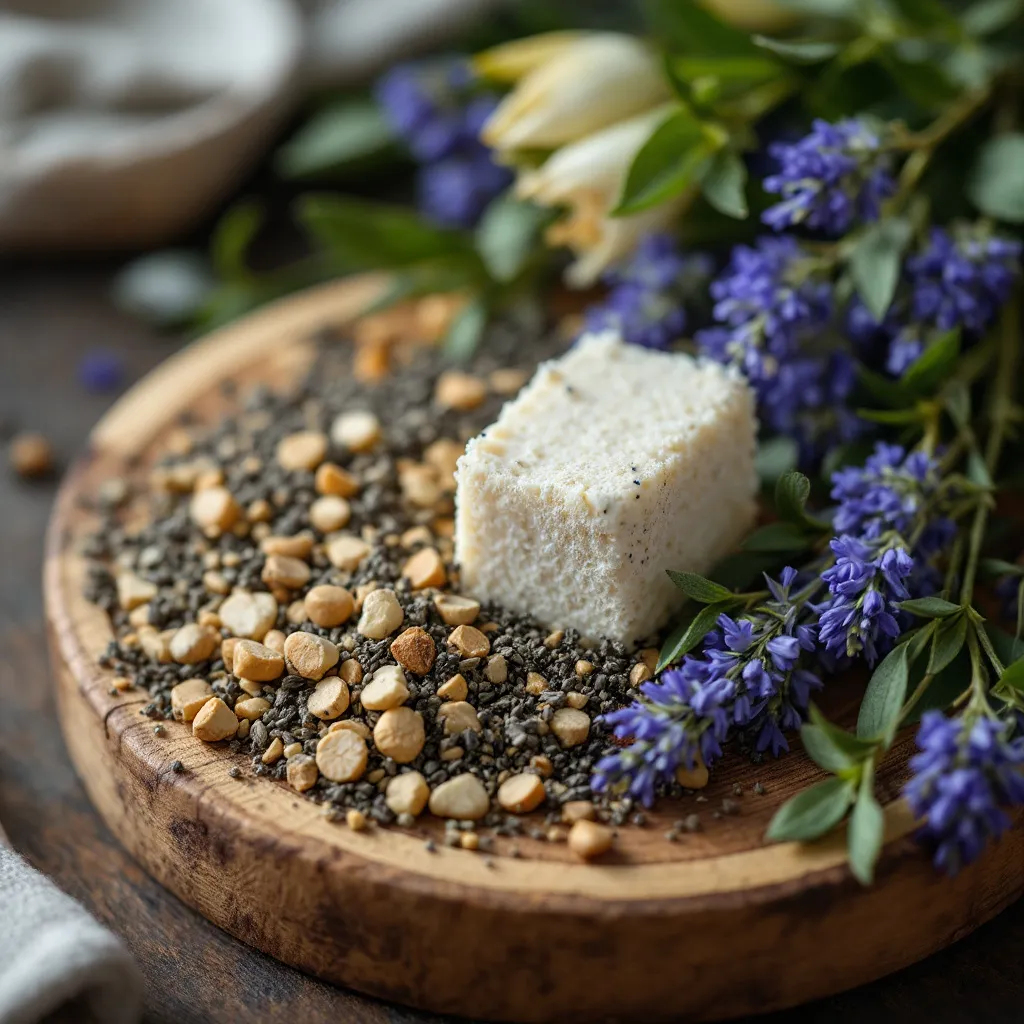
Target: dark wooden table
point(50, 316)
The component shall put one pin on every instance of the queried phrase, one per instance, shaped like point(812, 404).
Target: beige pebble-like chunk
point(292, 750)
point(520, 794)
point(386, 689)
point(328, 605)
point(156, 643)
point(577, 700)
point(249, 616)
point(455, 610)
point(188, 697)
point(310, 655)
point(351, 723)
point(463, 798)
point(329, 698)
point(347, 553)
point(332, 479)
point(571, 726)
point(455, 688)
point(536, 684)
point(215, 509)
point(420, 485)
point(357, 431)
point(407, 794)
point(282, 571)
point(588, 839)
point(133, 591)
point(302, 772)
point(273, 752)
point(399, 734)
point(639, 673)
point(584, 668)
point(507, 381)
point(341, 756)
point(444, 455)
point(356, 820)
point(305, 449)
point(414, 650)
point(381, 615)
point(298, 545)
point(460, 391)
point(275, 639)
point(496, 670)
point(214, 721)
point(459, 716)
point(351, 671)
point(193, 643)
point(578, 810)
point(469, 642)
point(251, 708)
point(425, 569)
point(256, 661)
point(250, 686)
point(693, 778)
point(330, 513)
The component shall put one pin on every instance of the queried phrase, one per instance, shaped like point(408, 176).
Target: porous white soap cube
point(612, 465)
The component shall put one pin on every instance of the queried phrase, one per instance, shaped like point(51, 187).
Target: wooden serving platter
point(714, 925)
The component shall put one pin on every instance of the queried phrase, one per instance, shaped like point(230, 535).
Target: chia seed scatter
point(190, 570)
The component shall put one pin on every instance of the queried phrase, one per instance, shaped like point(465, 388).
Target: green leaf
point(812, 813)
point(365, 235)
point(698, 588)
point(508, 235)
point(668, 163)
point(723, 183)
point(977, 471)
point(996, 185)
point(777, 537)
point(928, 14)
point(739, 570)
point(891, 417)
point(949, 641)
point(791, 493)
point(880, 709)
point(852, 746)
point(865, 832)
point(466, 330)
point(930, 607)
point(689, 633)
point(776, 456)
point(922, 80)
point(988, 16)
point(991, 568)
point(688, 27)
point(343, 133)
point(1008, 647)
point(1013, 675)
point(800, 51)
point(875, 263)
point(934, 364)
point(891, 392)
point(232, 237)
point(823, 752)
point(824, 8)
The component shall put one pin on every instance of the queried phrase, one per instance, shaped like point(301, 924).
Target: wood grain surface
point(194, 971)
point(716, 926)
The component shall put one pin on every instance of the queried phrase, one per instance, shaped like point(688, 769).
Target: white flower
point(573, 86)
point(587, 177)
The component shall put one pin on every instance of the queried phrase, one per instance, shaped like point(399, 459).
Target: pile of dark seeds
point(173, 553)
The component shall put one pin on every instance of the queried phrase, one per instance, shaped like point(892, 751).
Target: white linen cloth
point(54, 958)
point(124, 121)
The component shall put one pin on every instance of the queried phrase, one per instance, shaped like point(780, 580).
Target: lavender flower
point(962, 278)
point(864, 583)
point(749, 676)
point(829, 179)
point(432, 107)
point(889, 524)
point(967, 772)
point(649, 294)
point(892, 491)
point(773, 310)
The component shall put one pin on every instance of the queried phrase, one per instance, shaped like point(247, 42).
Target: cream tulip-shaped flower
point(508, 62)
point(582, 86)
point(587, 177)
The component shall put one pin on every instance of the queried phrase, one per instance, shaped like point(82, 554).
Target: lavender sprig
point(751, 676)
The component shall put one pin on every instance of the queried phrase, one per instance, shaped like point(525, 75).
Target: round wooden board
point(714, 925)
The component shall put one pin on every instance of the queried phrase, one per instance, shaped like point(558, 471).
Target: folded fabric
point(54, 958)
point(124, 121)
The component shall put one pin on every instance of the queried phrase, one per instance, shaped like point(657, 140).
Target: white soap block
point(612, 465)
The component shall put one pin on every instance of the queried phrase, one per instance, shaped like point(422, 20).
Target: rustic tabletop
point(49, 317)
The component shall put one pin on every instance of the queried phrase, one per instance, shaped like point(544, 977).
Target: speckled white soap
point(612, 465)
